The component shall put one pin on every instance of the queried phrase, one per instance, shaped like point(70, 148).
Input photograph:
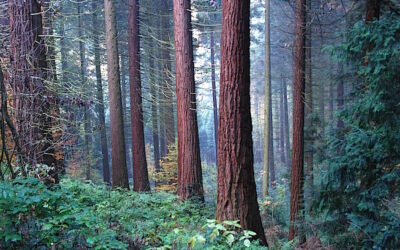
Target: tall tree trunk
point(190, 180)
point(166, 77)
point(118, 154)
point(296, 196)
point(214, 95)
point(84, 87)
point(100, 97)
point(268, 133)
point(237, 195)
point(286, 121)
point(28, 73)
point(140, 173)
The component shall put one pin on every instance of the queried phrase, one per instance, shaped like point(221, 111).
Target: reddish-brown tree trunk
point(214, 94)
point(118, 156)
point(296, 196)
point(99, 96)
point(140, 174)
point(237, 196)
point(190, 180)
point(29, 72)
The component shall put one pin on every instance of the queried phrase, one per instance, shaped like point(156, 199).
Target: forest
point(200, 124)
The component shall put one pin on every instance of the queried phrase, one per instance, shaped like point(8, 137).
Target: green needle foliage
point(361, 188)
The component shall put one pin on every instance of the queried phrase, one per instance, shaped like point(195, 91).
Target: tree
point(190, 179)
point(32, 98)
point(118, 155)
point(214, 94)
point(268, 132)
point(99, 95)
point(237, 196)
point(296, 190)
point(84, 86)
point(140, 173)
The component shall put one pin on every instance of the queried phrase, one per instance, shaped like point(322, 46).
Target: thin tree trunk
point(154, 116)
point(309, 106)
point(286, 121)
point(296, 196)
point(190, 180)
point(282, 125)
point(268, 133)
point(214, 95)
point(118, 155)
point(166, 78)
point(84, 87)
point(237, 196)
point(140, 173)
point(100, 97)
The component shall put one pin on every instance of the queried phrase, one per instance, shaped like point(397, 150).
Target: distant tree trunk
point(282, 125)
point(340, 97)
point(237, 196)
point(214, 95)
point(84, 87)
point(100, 97)
point(309, 105)
point(166, 77)
point(286, 122)
point(140, 173)
point(190, 180)
point(268, 132)
point(154, 119)
point(124, 93)
point(296, 197)
point(331, 98)
point(118, 155)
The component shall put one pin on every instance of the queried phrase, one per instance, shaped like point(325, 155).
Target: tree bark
point(140, 173)
point(32, 98)
point(372, 10)
point(118, 154)
point(190, 180)
point(282, 125)
point(214, 95)
point(237, 196)
point(100, 97)
point(296, 197)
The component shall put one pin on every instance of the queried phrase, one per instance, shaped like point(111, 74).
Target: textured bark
point(140, 173)
point(286, 121)
point(268, 133)
point(166, 76)
point(190, 180)
point(118, 154)
point(32, 100)
point(296, 195)
point(214, 95)
point(237, 196)
point(100, 97)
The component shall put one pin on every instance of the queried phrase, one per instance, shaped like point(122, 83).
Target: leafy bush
point(76, 215)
